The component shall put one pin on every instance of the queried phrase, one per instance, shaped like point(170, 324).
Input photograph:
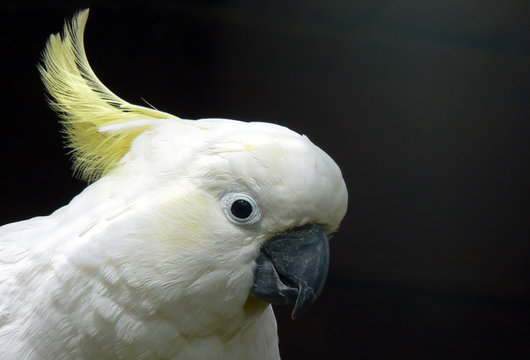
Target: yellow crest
point(91, 114)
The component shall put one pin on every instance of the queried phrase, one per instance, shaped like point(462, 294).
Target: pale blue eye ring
point(240, 208)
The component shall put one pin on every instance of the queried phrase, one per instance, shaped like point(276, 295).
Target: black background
point(423, 104)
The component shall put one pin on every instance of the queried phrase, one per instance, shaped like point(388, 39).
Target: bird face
point(251, 203)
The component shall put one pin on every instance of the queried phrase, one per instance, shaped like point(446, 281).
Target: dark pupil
point(241, 209)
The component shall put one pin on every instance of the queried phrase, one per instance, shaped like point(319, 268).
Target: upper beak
point(292, 267)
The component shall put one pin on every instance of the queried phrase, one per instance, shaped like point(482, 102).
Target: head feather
point(88, 109)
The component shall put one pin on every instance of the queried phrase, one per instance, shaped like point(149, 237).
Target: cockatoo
point(187, 233)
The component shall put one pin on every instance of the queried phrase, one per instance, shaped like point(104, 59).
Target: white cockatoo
point(187, 233)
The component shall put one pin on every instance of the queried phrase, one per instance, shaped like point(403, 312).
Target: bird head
point(253, 196)
point(217, 209)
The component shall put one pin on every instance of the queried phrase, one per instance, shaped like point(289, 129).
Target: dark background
point(423, 104)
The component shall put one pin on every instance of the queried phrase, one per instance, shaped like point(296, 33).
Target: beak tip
point(305, 299)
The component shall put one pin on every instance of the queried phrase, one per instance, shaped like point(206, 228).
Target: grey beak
point(292, 267)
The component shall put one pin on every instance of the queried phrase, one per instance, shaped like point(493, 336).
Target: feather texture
point(86, 105)
point(147, 262)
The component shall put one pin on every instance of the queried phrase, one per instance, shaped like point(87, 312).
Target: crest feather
point(86, 106)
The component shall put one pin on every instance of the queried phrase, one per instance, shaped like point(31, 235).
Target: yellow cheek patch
point(85, 105)
point(184, 218)
point(249, 148)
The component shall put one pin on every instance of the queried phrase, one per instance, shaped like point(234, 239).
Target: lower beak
point(292, 267)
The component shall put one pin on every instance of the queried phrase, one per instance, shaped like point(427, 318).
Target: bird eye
point(240, 208)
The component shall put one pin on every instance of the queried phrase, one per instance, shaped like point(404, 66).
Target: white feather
point(145, 263)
